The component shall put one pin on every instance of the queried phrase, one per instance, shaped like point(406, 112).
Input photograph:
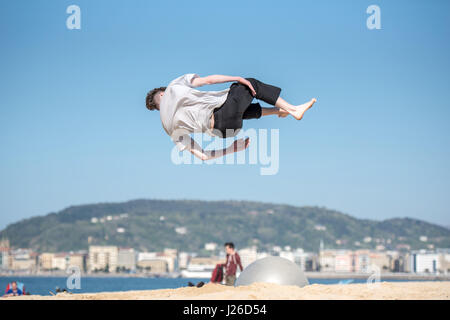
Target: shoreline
point(312, 275)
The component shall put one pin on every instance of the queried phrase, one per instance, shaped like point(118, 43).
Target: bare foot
point(301, 109)
point(282, 113)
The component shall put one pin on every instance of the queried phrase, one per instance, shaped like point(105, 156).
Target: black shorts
point(238, 106)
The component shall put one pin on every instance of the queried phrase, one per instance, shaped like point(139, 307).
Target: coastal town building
point(153, 265)
point(344, 261)
point(444, 260)
point(380, 260)
point(183, 260)
point(126, 259)
point(4, 259)
point(171, 257)
point(360, 261)
point(77, 260)
point(423, 261)
point(4, 254)
point(210, 246)
point(46, 261)
point(149, 261)
point(23, 260)
point(327, 260)
point(60, 261)
point(399, 261)
point(113, 259)
point(103, 258)
point(307, 261)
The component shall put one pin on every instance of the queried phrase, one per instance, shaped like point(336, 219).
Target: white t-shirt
point(185, 110)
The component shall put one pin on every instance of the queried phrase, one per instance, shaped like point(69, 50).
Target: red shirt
point(233, 260)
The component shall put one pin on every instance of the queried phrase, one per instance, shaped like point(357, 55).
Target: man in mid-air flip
point(185, 110)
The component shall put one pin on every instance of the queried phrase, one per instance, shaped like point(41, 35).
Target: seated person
point(13, 291)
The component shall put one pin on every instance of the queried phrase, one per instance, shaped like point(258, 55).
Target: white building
point(424, 262)
point(146, 256)
point(4, 254)
point(362, 261)
point(4, 259)
point(210, 246)
point(183, 260)
point(181, 230)
point(126, 258)
point(327, 260)
point(60, 261)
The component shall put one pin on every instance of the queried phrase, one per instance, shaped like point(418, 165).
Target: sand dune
point(268, 291)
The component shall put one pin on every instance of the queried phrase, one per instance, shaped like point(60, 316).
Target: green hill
point(152, 225)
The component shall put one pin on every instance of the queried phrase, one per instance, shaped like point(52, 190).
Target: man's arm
point(9, 293)
point(196, 150)
point(225, 264)
point(217, 78)
point(238, 258)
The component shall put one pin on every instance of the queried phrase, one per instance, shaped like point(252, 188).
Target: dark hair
point(149, 102)
point(229, 244)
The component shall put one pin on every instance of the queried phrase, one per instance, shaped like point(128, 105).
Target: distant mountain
point(188, 225)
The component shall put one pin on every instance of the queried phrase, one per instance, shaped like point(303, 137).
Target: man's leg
point(265, 92)
point(271, 95)
point(274, 111)
point(295, 111)
point(255, 111)
point(229, 280)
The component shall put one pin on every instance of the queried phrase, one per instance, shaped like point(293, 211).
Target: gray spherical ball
point(274, 270)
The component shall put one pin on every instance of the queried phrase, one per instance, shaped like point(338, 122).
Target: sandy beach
point(266, 291)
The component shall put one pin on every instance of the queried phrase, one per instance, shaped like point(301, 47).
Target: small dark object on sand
point(198, 285)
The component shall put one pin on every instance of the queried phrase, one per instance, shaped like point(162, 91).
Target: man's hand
point(248, 84)
point(237, 146)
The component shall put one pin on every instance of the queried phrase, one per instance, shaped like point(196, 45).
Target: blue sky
point(74, 128)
